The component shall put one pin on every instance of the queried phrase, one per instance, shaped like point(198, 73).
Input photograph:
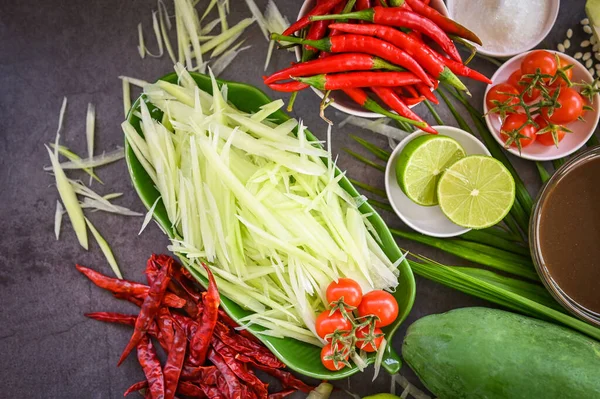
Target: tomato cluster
point(537, 101)
point(354, 321)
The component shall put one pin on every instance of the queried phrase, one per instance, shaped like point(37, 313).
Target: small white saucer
point(428, 220)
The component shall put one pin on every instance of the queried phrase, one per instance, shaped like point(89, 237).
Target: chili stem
point(290, 106)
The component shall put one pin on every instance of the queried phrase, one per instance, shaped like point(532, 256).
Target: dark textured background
point(55, 48)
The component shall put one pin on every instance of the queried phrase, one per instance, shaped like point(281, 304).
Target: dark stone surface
point(55, 48)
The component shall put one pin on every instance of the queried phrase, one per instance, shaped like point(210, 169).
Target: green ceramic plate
point(299, 356)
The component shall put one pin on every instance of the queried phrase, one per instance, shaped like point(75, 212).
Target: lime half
point(421, 163)
point(476, 192)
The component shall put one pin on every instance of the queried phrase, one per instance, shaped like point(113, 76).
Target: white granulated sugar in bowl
point(502, 25)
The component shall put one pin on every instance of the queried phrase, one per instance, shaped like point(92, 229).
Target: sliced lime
point(422, 162)
point(476, 192)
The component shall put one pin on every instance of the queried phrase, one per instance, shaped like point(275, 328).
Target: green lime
point(477, 192)
point(422, 162)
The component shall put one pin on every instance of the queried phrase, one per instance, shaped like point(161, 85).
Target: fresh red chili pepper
point(360, 79)
point(427, 93)
point(391, 99)
point(463, 70)
point(411, 101)
point(341, 9)
point(320, 9)
point(288, 87)
point(334, 63)
point(422, 54)
point(201, 340)
point(234, 387)
point(119, 286)
point(316, 31)
point(282, 394)
point(360, 97)
point(363, 44)
point(174, 363)
point(151, 366)
point(395, 16)
point(136, 387)
point(149, 309)
point(412, 92)
point(446, 24)
point(286, 378)
point(362, 5)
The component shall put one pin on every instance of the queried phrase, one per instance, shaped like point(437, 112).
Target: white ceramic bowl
point(582, 131)
point(341, 101)
point(427, 219)
point(549, 23)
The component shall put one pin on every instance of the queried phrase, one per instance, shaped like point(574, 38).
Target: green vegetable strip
point(523, 195)
point(364, 160)
point(381, 205)
point(71, 156)
point(593, 140)
point(436, 116)
point(105, 249)
point(557, 163)
point(493, 240)
point(372, 148)
point(478, 253)
point(459, 119)
point(544, 175)
point(535, 292)
point(513, 299)
point(404, 126)
point(502, 232)
point(69, 199)
point(371, 189)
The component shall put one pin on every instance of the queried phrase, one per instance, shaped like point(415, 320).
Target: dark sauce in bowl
point(569, 234)
point(564, 235)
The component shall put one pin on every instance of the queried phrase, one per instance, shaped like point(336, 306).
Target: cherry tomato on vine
point(328, 324)
point(327, 358)
point(514, 80)
point(345, 288)
point(571, 107)
point(369, 345)
point(569, 72)
point(381, 304)
point(539, 59)
point(497, 93)
point(515, 122)
point(546, 138)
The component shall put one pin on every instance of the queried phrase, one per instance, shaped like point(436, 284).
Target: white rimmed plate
point(427, 219)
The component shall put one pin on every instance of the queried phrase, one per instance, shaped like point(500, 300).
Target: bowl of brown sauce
point(564, 235)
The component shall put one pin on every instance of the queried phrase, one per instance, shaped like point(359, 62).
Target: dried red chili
point(234, 387)
point(281, 394)
point(247, 347)
point(200, 341)
point(136, 387)
point(174, 364)
point(125, 287)
point(286, 378)
point(151, 366)
point(149, 309)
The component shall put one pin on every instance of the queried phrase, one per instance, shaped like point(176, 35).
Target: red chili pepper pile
point(383, 50)
point(206, 356)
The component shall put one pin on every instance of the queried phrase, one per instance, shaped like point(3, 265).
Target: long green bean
point(478, 253)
